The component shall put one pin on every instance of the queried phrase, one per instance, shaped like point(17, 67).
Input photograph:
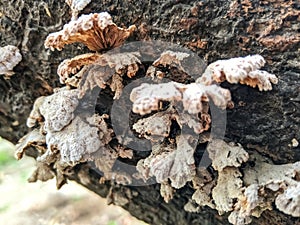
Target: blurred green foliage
point(6, 152)
point(112, 223)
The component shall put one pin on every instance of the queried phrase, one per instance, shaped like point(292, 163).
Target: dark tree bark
point(267, 122)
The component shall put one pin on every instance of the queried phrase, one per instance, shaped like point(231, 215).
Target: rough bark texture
point(266, 122)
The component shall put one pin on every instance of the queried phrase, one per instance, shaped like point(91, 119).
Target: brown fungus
point(93, 69)
point(121, 62)
point(96, 30)
point(71, 66)
point(158, 126)
point(202, 195)
point(105, 159)
point(109, 70)
point(175, 65)
point(43, 172)
point(168, 59)
point(146, 97)
point(65, 139)
point(171, 58)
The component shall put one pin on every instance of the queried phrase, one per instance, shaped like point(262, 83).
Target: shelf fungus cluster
point(175, 117)
point(246, 191)
point(65, 131)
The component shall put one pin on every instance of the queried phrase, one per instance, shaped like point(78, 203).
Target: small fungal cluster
point(65, 133)
point(10, 56)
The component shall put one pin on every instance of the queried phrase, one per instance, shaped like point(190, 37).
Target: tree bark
point(266, 122)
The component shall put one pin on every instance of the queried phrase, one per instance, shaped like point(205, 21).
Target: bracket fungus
point(56, 110)
point(171, 59)
point(146, 97)
point(76, 141)
point(155, 127)
point(174, 163)
point(289, 201)
point(224, 155)
point(10, 56)
point(228, 189)
point(248, 191)
point(264, 185)
point(96, 30)
point(244, 70)
point(67, 135)
point(174, 116)
point(103, 70)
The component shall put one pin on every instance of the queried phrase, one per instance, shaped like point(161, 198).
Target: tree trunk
point(266, 122)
